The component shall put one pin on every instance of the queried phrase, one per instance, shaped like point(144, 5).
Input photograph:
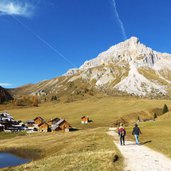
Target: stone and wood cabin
point(38, 120)
point(62, 124)
point(84, 119)
point(53, 121)
point(44, 127)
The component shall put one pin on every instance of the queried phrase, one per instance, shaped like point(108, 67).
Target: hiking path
point(140, 157)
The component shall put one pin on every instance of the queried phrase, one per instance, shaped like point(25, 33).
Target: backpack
point(122, 132)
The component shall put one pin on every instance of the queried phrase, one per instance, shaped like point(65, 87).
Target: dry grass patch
point(90, 149)
point(102, 110)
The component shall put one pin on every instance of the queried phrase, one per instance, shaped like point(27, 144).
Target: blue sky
point(42, 39)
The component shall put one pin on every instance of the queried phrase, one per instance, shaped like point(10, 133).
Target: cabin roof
point(54, 121)
point(30, 121)
point(39, 117)
point(54, 127)
point(57, 124)
point(84, 117)
point(43, 123)
point(60, 121)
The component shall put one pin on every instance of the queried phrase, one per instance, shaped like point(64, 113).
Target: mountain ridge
point(128, 67)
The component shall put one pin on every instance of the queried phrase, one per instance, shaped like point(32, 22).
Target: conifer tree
point(155, 115)
point(165, 109)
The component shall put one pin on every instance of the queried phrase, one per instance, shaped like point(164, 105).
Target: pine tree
point(165, 109)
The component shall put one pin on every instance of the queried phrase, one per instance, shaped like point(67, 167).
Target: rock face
point(4, 95)
point(133, 63)
point(130, 50)
point(126, 68)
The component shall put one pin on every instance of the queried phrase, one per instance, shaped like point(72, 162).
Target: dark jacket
point(136, 131)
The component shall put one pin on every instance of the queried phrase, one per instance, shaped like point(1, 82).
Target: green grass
point(82, 150)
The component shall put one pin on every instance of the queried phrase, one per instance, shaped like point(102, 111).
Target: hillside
point(4, 95)
point(103, 111)
point(128, 68)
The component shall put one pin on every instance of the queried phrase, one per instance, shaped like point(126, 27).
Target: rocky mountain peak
point(133, 41)
point(137, 58)
point(128, 50)
point(128, 67)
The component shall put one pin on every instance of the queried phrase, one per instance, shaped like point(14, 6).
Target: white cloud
point(5, 84)
point(16, 8)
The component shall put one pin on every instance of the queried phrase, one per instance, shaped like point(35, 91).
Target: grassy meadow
point(155, 134)
point(89, 148)
point(103, 111)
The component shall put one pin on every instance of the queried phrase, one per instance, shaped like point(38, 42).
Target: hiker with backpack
point(136, 131)
point(122, 133)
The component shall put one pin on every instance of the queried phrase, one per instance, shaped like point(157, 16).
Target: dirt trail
point(140, 157)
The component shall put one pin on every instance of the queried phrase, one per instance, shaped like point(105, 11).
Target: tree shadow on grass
point(73, 129)
point(145, 142)
point(90, 121)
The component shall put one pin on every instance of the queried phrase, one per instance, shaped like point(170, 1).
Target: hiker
point(122, 133)
point(136, 131)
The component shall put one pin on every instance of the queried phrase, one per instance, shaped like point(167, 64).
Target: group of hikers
point(122, 133)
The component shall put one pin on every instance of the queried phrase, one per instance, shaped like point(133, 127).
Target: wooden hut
point(53, 121)
point(84, 119)
point(38, 120)
point(43, 127)
point(62, 124)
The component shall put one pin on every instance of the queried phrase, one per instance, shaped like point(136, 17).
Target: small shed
point(84, 119)
point(38, 120)
point(44, 127)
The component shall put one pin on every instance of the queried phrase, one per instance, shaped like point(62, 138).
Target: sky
point(42, 39)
